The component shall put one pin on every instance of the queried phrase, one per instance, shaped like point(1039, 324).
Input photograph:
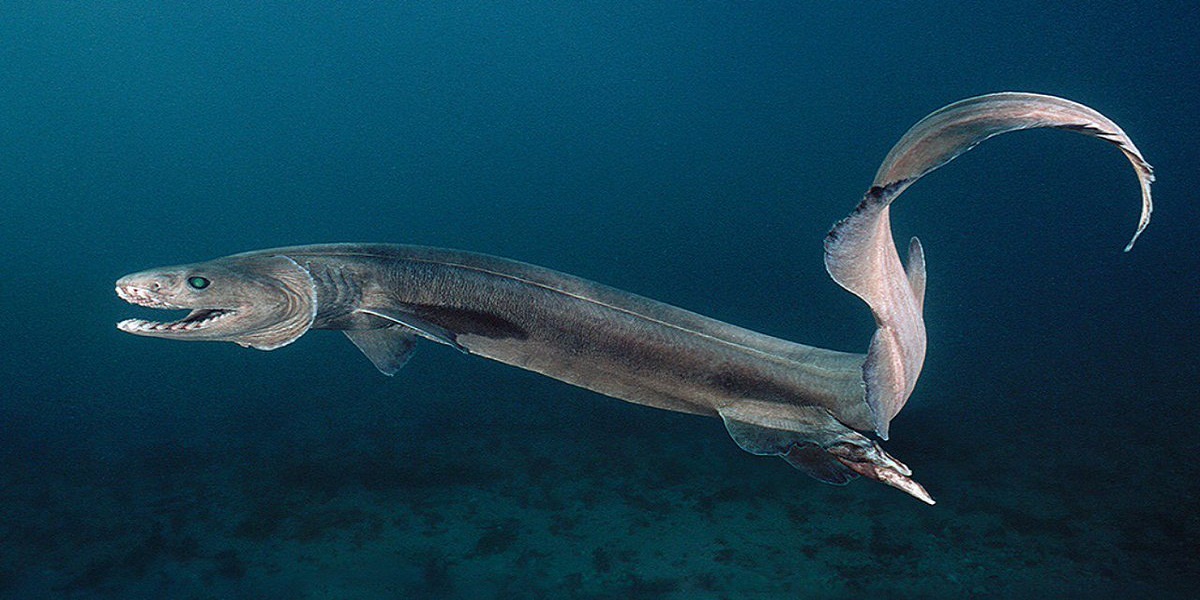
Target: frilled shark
point(820, 410)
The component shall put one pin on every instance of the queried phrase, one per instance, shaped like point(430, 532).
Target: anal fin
point(388, 348)
point(795, 434)
point(818, 464)
point(810, 439)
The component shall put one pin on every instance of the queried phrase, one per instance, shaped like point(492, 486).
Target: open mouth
point(198, 318)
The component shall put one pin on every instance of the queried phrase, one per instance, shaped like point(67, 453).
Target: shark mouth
point(198, 318)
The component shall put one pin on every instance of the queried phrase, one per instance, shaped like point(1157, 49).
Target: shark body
point(813, 407)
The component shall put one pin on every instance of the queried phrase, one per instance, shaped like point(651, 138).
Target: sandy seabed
point(652, 505)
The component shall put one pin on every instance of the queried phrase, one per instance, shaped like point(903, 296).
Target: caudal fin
point(861, 256)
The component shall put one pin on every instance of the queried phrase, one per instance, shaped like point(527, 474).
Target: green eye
point(198, 283)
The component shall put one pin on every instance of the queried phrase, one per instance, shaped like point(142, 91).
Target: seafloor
point(599, 500)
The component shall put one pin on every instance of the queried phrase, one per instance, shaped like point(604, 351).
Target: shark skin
point(813, 407)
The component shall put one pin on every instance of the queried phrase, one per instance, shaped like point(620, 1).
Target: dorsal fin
point(914, 267)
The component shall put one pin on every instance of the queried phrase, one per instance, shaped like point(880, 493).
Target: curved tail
point(861, 256)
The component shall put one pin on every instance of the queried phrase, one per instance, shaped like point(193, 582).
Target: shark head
point(256, 300)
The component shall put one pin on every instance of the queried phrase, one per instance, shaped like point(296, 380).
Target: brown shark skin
point(807, 405)
point(593, 336)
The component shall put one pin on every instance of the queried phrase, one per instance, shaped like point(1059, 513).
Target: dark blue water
point(692, 153)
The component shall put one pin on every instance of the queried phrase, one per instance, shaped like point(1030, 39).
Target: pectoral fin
point(388, 348)
point(418, 325)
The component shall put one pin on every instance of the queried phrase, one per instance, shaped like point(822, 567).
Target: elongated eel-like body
point(812, 407)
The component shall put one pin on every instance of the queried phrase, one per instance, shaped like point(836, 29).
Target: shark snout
point(149, 280)
point(147, 289)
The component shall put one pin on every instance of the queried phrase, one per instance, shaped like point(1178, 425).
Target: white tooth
point(133, 325)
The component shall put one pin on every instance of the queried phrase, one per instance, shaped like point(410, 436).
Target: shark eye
point(198, 283)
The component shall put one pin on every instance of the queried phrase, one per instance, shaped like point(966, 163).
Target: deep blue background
point(695, 153)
